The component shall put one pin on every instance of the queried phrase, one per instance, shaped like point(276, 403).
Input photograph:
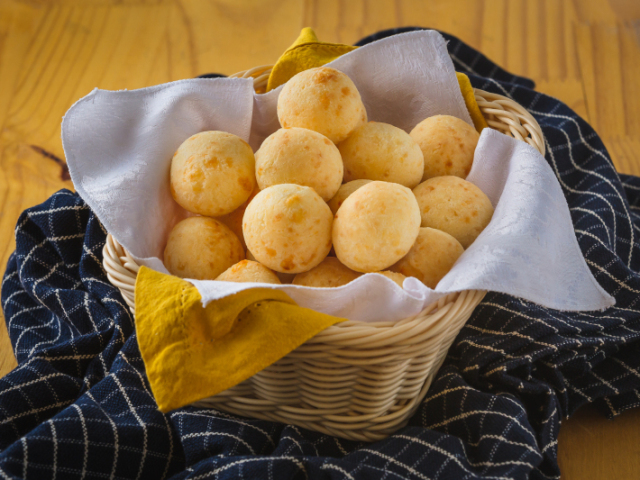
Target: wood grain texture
point(53, 52)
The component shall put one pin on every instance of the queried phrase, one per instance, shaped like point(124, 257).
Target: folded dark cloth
point(79, 404)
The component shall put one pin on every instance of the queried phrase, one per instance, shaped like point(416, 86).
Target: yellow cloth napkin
point(309, 52)
point(306, 52)
point(192, 352)
point(470, 100)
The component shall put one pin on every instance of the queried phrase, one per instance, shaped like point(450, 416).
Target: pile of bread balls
point(328, 197)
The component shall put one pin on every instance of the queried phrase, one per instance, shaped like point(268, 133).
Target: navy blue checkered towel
point(79, 404)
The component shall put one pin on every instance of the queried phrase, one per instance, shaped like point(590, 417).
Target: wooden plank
point(592, 447)
point(347, 22)
point(630, 67)
point(494, 32)
point(625, 153)
point(609, 61)
point(569, 91)
point(516, 35)
point(585, 48)
point(609, 58)
point(594, 11)
point(462, 18)
point(228, 37)
point(18, 24)
point(625, 10)
point(535, 50)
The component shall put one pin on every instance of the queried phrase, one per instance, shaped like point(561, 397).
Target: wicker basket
point(355, 380)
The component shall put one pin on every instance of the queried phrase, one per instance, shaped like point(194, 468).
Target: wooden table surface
point(52, 52)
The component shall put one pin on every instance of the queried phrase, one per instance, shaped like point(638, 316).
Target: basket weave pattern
point(355, 380)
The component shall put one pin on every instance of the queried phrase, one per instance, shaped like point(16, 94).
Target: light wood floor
point(584, 52)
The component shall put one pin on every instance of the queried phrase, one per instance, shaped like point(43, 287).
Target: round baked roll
point(323, 100)
point(448, 145)
point(233, 220)
point(212, 173)
point(299, 156)
point(343, 192)
point(201, 248)
point(431, 257)
point(454, 206)
point(395, 276)
point(283, 277)
point(379, 151)
point(376, 226)
point(288, 228)
point(327, 274)
point(247, 271)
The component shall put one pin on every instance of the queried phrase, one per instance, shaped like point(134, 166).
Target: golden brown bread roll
point(201, 248)
point(288, 228)
point(448, 145)
point(431, 257)
point(283, 277)
point(454, 206)
point(302, 157)
point(343, 192)
point(212, 173)
point(323, 100)
point(379, 151)
point(248, 271)
point(327, 274)
point(376, 226)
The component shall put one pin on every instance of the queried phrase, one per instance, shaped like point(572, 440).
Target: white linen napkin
point(119, 146)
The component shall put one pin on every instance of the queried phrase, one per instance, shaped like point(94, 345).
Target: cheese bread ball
point(201, 248)
point(327, 274)
point(376, 226)
point(233, 220)
point(343, 192)
point(323, 100)
point(431, 257)
point(395, 276)
point(455, 206)
point(283, 277)
point(212, 173)
point(288, 228)
point(379, 151)
point(300, 156)
point(248, 271)
point(447, 144)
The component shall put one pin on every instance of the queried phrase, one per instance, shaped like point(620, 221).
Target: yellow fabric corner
point(309, 52)
point(191, 352)
point(307, 35)
point(470, 100)
point(306, 52)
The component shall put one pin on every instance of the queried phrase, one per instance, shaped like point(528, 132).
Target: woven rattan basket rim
point(122, 270)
